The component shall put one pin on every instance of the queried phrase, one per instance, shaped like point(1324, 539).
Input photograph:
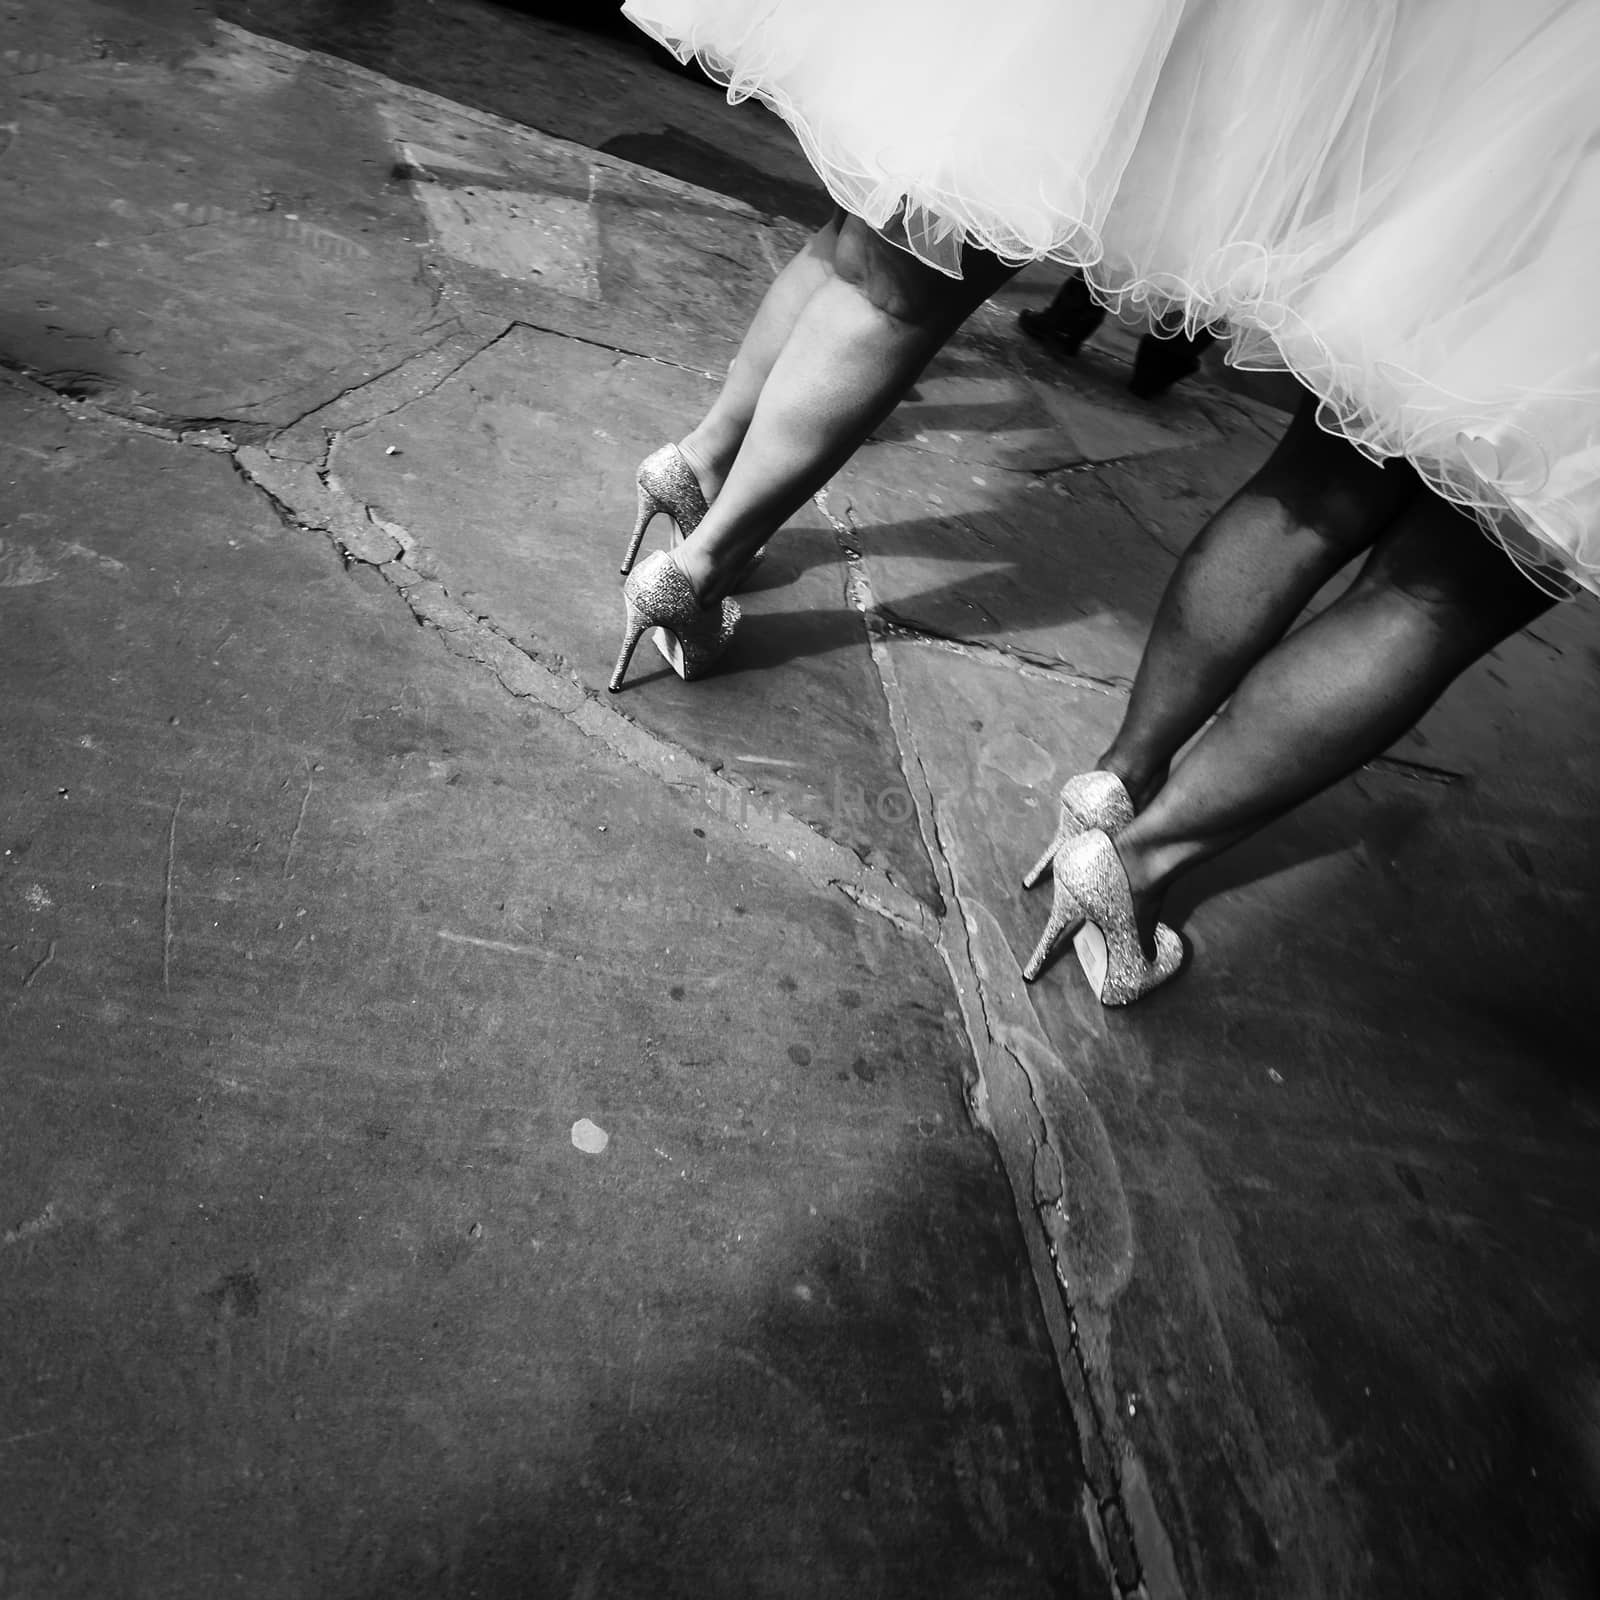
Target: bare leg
point(857, 346)
point(1433, 597)
point(1314, 505)
point(715, 441)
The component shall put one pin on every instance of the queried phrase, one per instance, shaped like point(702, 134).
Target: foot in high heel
point(1094, 903)
point(657, 595)
point(1088, 800)
point(666, 483)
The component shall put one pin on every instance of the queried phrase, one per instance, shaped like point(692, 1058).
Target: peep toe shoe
point(656, 595)
point(1094, 904)
point(1088, 800)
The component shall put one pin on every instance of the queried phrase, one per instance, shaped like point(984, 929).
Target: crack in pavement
point(886, 622)
point(618, 349)
point(214, 433)
point(1417, 771)
point(1028, 662)
point(1005, 1099)
point(376, 384)
point(311, 502)
point(1003, 1094)
point(91, 390)
point(290, 467)
point(152, 222)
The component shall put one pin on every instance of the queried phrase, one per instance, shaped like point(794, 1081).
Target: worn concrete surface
point(317, 946)
point(540, 435)
point(573, 68)
point(1310, 1235)
point(1354, 1152)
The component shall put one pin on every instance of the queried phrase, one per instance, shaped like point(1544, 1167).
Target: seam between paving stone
point(398, 377)
point(1001, 1095)
point(362, 537)
point(459, 111)
point(228, 433)
point(1026, 662)
point(311, 501)
point(1002, 1099)
point(889, 623)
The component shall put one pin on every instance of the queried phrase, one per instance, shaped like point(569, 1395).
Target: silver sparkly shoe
point(658, 595)
point(1094, 902)
point(666, 483)
point(1088, 800)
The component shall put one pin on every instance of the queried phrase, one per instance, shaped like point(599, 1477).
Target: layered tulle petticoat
point(1397, 200)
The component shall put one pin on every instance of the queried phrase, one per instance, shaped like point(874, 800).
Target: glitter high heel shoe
point(659, 596)
point(1088, 800)
point(666, 483)
point(1095, 903)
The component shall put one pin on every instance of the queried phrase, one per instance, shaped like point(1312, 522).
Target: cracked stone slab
point(576, 80)
point(967, 407)
point(307, 441)
point(318, 945)
point(157, 262)
point(1174, 493)
point(633, 267)
point(512, 482)
point(1109, 424)
point(300, 489)
point(990, 398)
point(1381, 1025)
point(364, 222)
point(549, 238)
point(542, 231)
point(1056, 570)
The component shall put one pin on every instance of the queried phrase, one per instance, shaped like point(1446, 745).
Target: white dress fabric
point(1396, 200)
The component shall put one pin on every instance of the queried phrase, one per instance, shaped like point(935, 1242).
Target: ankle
point(699, 570)
point(1137, 862)
point(1142, 779)
point(709, 464)
point(1149, 875)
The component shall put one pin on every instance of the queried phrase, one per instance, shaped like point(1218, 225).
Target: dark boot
point(1067, 321)
point(1162, 361)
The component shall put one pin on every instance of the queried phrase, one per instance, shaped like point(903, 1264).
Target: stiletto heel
point(633, 630)
point(648, 506)
point(1066, 917)
point(659, 596)
point(1092, 887)
point(666, 483)
point(1088, 800)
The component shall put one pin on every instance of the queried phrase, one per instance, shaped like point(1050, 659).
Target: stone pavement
point(323, 931)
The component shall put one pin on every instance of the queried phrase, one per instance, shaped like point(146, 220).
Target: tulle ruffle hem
point(1398, 201)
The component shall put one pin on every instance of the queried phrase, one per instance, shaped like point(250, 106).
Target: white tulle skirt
point(1396, 200)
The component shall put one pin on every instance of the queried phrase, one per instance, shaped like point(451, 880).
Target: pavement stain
point(235, 1294)
point(33, 1227)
